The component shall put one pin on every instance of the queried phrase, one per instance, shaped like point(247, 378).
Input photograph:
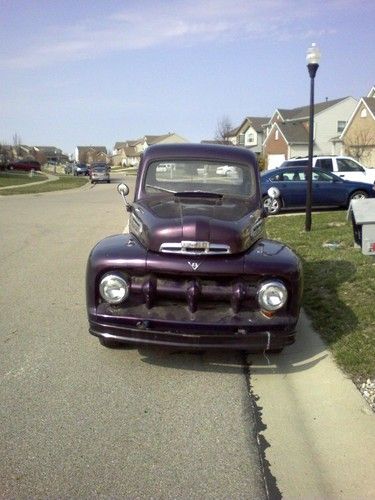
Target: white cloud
point(148, 24)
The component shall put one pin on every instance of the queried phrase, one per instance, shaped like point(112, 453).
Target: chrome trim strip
point(194, 248)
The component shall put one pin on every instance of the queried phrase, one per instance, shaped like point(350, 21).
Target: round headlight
point(114, 288)
point(272, 295)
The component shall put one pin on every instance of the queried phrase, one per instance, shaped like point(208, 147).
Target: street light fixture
point(312, 59)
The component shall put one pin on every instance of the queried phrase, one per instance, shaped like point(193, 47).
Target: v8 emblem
point(193, 265)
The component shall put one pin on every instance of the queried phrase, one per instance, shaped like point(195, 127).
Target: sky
point(95, 72)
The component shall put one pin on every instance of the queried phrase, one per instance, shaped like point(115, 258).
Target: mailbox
point(362, 213)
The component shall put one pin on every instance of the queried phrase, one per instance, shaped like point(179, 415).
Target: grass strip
point(339, 286)
point(62, 183)
point(10, 179)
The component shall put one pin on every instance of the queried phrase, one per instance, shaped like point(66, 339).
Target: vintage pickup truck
point(195, 270)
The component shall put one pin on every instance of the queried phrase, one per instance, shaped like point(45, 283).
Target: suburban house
point(250, 133)
point(91, 154)
point(43, 154)
point(358, 137)
point(128, 153)
point(287, 133)
point(49, 154)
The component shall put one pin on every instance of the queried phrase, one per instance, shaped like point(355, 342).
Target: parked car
point(226, 170)
point(99, 172)
point(26, 165)
point(345, 167)
point(328, 190)
point(166, 167)
point(195, 270)
point(80, 169)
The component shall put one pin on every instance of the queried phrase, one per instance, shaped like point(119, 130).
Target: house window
point(250, 138)
point(364, 113)
point(241, 139)
point(276, 135)
point(340, 126)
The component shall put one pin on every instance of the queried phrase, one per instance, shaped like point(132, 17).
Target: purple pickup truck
point(195, 270)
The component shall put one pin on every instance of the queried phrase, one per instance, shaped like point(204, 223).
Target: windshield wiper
point(199, 194)
point(160, 189)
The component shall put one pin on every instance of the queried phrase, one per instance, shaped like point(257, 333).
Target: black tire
point(272, 205)
point(358, 195)
point(108, 182)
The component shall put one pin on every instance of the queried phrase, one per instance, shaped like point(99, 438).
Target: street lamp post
point(312, 59)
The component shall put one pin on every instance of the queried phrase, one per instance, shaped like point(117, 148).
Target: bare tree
point(17, 143)
point(360, 144)
point(4, 155)
point(16, 139)
point(223, 129)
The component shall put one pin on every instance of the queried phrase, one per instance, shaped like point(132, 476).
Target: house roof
point(294, 132)
point(303, 111)
point(234, 131)
point(102, 149)
point(150, 139)
point(370, 103)
point(48, 149)
point(216, 141)
point(259, 121)
point(254, 121)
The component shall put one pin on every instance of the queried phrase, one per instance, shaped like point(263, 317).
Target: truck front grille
point(193, 292)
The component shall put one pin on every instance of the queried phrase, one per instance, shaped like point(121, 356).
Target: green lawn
point(12, 179)
point(63, 182)
point(339, 286)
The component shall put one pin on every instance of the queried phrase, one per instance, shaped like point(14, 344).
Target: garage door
point(274, 161)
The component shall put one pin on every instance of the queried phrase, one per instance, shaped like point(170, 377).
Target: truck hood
point(196, 224)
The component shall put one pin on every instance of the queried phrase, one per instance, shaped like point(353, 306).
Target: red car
point(26, 165)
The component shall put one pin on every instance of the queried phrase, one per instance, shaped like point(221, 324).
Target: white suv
point(342, 166)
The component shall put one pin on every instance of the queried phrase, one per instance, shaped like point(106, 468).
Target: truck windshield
point(200, 175)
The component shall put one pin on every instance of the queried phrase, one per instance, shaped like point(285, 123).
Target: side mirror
point(273, 192)
point(123, 190)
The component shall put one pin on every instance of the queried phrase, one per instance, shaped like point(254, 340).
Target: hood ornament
point(194, 265)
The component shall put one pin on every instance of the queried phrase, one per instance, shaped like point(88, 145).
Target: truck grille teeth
point(195, 293)
point(194, 248)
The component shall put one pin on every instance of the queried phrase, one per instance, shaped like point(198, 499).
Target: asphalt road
point(82, 421)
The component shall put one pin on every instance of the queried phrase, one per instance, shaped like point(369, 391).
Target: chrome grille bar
point(194, 248)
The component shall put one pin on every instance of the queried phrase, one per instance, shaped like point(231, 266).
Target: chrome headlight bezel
point(272, 295)
point(116, 283)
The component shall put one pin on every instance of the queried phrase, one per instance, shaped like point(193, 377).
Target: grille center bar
point(194, 248)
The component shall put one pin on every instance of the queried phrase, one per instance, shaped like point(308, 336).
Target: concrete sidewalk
point(320, 430)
